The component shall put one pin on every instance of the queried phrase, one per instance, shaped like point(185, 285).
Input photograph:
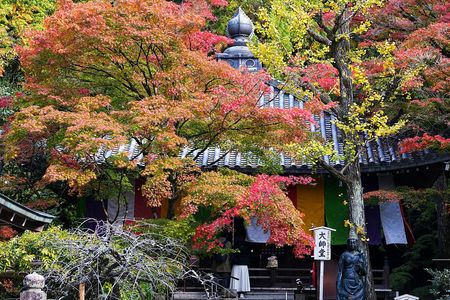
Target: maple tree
point(333, 52)
point(228, 194)
point(17, 16)
point(100, 76)
point(7, 232)
point(420, 31)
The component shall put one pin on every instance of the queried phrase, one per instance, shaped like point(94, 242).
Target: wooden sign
point(322, 250)
point(322, 239)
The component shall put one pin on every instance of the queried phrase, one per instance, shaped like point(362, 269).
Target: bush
point(111, 261)
point(440, 283)
point(181, 230)
point(18, 253)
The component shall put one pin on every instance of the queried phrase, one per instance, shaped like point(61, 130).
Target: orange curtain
point(164, 208)
point(310, 201)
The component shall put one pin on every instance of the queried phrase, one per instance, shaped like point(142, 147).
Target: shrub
point(440, 283)
point(111, 261)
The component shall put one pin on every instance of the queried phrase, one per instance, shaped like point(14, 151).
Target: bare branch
point(352, 160)
point(318, 37)
point(319, 21)
point(110, 257)
point(335, 172)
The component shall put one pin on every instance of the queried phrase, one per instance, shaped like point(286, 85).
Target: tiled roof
point(16, 214)
point(381, 154)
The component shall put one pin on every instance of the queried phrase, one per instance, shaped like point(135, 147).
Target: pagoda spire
point(240, 29)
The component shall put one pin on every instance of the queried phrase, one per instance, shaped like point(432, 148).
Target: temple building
point(383, 168)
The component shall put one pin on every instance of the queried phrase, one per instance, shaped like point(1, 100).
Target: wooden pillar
point(386, 273)
point(443, 222)
point(82, 291)
point(273, 276)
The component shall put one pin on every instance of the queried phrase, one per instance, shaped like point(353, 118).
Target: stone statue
point(350, 283)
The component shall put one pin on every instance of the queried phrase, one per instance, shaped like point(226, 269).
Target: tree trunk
point(357, 217)
point(339, 50)
point(171, 208)
point(174, 197)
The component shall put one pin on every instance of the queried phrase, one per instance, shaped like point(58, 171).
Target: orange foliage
point(7, 232)
point(229, 195)
point(100, 76)
point(421, 33)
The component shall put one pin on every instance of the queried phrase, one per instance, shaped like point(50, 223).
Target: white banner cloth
point(392, 222)
point(255, 232)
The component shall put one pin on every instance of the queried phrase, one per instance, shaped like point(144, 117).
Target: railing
point(286, 277)
point(280, 277)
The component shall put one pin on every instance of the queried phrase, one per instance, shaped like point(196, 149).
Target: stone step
point(189, 295)
point(260, 295)
point(269, 296)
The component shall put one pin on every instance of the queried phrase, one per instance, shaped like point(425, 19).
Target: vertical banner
point(373, 222)
point(310, 201)
point(123, 210)
point(256, 233)
point(392, 221)
point(335, 210)
point(81, 207)
point(292, 194)
point(94, 211)
point(165, 207)
point(141, 209)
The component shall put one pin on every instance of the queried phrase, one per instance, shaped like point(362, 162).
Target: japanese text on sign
point(322, 239)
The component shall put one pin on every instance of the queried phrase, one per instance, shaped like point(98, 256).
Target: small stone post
point(33, 285)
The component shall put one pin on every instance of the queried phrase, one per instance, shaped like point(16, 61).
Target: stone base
point(33, 294)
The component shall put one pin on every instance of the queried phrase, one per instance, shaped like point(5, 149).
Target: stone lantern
point(33, 285)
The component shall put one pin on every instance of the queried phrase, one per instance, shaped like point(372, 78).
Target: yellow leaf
point(347, 223)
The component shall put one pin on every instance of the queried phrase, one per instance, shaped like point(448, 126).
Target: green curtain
point(81, 207)
point(335, 211)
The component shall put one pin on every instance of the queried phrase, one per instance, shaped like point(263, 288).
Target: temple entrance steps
point(248, 296)
point(269, 294)
point(188, 295)
point(255, 294)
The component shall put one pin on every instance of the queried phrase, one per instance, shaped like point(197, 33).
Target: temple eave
point(17, 215)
